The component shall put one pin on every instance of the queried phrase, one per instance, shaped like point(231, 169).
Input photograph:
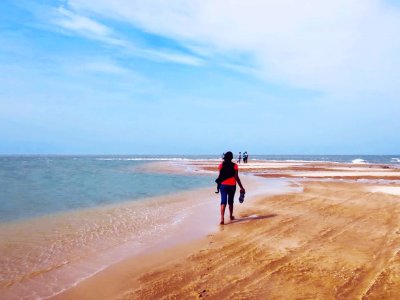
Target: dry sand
point(333, 240)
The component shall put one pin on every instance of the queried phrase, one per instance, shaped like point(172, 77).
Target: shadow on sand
point(251, 218)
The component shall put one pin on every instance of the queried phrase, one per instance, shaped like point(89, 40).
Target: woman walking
point(228, 176)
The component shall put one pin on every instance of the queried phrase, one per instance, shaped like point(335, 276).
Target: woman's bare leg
point(222, 213)
point(231, 211)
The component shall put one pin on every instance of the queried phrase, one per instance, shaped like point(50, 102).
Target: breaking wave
point(359, 161)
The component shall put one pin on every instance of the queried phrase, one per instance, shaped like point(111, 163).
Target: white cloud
point(76, 22)
point(336, 46)
point(171, 56)
point(92, 29)
point(85, 26)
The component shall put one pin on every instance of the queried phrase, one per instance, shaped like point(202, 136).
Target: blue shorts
point(227, 193)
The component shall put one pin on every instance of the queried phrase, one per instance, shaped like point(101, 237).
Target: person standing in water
point(228, 177)
point(239, 157)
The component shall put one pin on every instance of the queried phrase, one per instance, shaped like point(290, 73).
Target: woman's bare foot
point(222, 222)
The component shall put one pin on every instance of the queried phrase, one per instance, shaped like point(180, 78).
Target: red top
point(231, 180)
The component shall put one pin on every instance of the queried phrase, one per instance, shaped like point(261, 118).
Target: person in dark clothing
point(227, 179)
point(245, 157)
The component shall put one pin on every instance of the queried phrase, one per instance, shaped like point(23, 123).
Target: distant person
point(228, 176)
point(245, 157)
point(239, 157)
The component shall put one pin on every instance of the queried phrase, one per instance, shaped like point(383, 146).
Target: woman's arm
point(239, 182)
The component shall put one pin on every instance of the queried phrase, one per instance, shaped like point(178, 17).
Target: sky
point(199, 77)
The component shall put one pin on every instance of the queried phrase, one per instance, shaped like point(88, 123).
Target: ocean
point(31, 186)
point(371, 159)
point(64, 218)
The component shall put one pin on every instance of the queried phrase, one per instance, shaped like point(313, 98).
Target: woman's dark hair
point(228, 156)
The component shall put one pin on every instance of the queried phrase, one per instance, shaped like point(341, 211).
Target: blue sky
point(199, 77)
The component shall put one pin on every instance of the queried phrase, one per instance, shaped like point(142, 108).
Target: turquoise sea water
point(31, 186)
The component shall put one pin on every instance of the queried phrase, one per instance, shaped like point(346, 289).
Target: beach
point(118, 119)
point(332, 233)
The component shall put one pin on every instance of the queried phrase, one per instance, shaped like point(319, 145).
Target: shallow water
point(65, 218)
point(40, 185)
point(47, 254)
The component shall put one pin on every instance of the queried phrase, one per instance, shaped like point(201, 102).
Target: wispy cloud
point(167, 55)
point(86, 27)
point(73, 21)
point(89, 28)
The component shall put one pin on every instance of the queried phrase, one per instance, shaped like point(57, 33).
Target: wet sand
point(328, 240)
point(42, 256)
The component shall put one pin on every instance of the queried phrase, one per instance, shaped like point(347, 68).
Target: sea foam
point(359, 161)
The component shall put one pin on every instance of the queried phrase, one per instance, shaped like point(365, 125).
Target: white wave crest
point(359, 161)
point(396, 159)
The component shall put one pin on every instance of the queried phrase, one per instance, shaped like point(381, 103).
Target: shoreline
point(93, 229)
point(192, 235)
point(77, 245)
